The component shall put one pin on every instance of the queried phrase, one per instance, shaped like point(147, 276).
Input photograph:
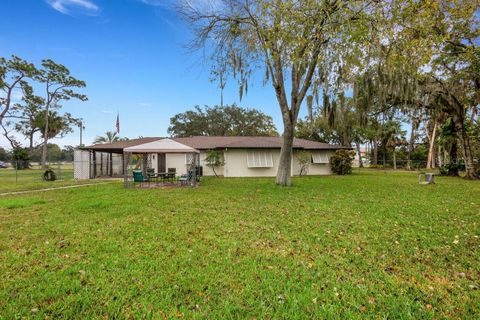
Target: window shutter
point(320, 157)
point(259, 159)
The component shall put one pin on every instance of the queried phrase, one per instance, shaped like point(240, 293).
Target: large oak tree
point(289, 39)
point(222, 121)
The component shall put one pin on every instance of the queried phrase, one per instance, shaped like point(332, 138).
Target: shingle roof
point(202, 142)
point(120, 145)
point(212, 142)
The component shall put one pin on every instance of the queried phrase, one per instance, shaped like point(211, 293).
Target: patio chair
point(138, 177)
point(186, 178)
point(150, 172)
point(171, 173)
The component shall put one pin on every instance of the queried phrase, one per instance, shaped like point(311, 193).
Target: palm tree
point(109, 137)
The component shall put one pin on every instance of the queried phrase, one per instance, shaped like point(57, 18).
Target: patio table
point(164, 176)
point(169, 176)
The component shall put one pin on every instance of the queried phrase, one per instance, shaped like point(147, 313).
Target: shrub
point(49, 175)
point(304, 159)
point(341, 161)
point(20, 159)
point(214, 159)
point(451, 169)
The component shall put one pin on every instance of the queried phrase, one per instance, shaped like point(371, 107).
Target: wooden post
point(94, 158)
point(111, 165)
point(123, 163)
point(125, 168)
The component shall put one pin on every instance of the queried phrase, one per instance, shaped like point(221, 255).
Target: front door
point(161, 162)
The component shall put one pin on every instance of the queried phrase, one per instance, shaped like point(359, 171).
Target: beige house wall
point(176, 160)
point(236, 164)
point(207, 171)
point(314, 169)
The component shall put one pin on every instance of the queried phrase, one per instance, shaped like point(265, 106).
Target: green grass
point(370, 245)
point(31, 179)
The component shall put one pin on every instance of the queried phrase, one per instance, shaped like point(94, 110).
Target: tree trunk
point(453, 170)
point(431, 141)
point(384, 153)
point(284, 174)
point(466, 148)
point(394, 157)
point(30, 142)
point(439, 157)
point(214, 172)
point(411, 144)
point(45, 136)
point(221, 97)
point(375, 152)
point(359, 152)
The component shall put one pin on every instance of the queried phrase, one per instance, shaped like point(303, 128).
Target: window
point(259, 159)
point(189, 158)
point(320, 157)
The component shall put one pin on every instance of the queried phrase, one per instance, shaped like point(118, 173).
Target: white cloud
point(145, 104)
point(169, 4)
point(79, 6)
point(166, 4)
point(157, 2)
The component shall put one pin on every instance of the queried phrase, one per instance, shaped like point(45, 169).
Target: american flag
point(117, 125)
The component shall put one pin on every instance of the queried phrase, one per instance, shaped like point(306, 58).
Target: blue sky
point(132, 55)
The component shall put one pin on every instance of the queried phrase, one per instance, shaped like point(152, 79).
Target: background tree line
point(55, 153)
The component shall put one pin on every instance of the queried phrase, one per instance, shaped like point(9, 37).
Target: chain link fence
point(390, 164)
point(418, 165)
point(15, 173)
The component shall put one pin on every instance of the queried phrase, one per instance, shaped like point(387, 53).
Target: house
point(364, 154)
point(243, 156)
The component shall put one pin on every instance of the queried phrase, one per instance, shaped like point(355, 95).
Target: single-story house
point(243, 156)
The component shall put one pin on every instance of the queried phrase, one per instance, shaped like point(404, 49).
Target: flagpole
point(117, 124)
point(81, 132)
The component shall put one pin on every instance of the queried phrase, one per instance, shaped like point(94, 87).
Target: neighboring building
point(364, 153)
point(244, 156)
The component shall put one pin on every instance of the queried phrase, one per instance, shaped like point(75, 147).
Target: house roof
point(216, 142)
point(161, 146)
point(202, 142)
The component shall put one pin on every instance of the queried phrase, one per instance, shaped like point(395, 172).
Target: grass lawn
point(31, 179)
point(370, 245)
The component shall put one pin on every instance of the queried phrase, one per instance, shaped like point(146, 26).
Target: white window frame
point(319, 157)
point(187, 156)
point(259, 159)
